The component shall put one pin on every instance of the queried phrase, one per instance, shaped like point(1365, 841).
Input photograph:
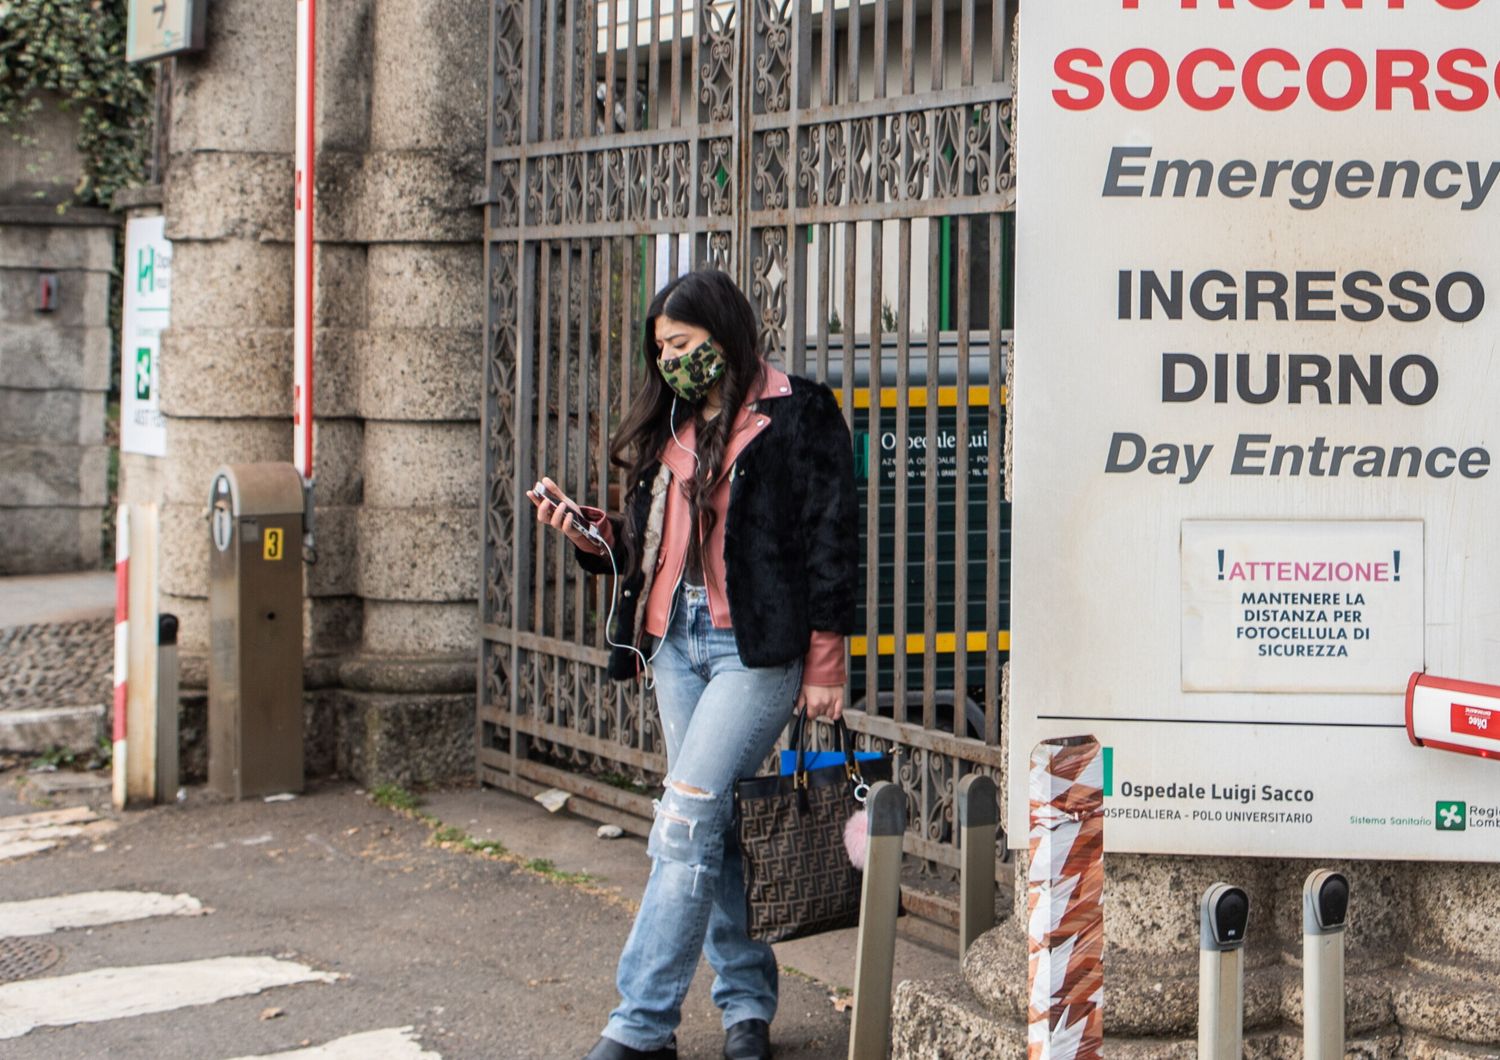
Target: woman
point(736, 558)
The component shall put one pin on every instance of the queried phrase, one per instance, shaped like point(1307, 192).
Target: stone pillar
point(226, 358)
point(398, 313)
point(55, 366)
point(408, 705)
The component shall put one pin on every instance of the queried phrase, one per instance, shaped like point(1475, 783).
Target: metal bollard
point(168, 678)
point(879, 904)
point(1223, 916)
point(978, 823)
point(1325, 915)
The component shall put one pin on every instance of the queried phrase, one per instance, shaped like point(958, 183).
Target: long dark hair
point(709, 299)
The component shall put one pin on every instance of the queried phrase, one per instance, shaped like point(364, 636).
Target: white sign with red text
point(1301, 606)
point(1256, 286)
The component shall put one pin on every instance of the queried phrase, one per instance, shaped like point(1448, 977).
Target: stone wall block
point(339, 187)
point(335, 573)
point(342, 275)
point(1151, 946)
point(1422, 1047)
point(1452, 912)
point(934, 1019)
point(427, 374)
point(50, 539)
point(1451, 1003)
point(419, 554)
point(200, 447)
point(408, 739)
point(426, 285)
point(229, 194)
point(226, 372)
point(332, 624)
point(401, 627)
point(38, 356)
point(346, 44)
point(82, 298)
point(184, 549)
point(406, 197)
point(57, 247)
point(1151, 903)
point(1146, 997)
point(338, 465)
point(421, 464)
point(58, 417)
point(231, 284)
point(433, 96)
point(415, 674)
point(239, 93)
point(320, 709)
point(1378, 902)
point(53, 476)
point(336, 360)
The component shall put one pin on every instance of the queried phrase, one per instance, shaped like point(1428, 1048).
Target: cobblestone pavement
point(57, 664)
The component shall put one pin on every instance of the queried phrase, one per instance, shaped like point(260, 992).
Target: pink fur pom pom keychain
point(857, 839)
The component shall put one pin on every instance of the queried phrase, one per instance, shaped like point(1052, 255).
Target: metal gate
point(850, 163)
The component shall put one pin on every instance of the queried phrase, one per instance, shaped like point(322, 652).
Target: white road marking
point(395, 1043)
point(18, 842)
point(114, 993)
point(42, 916)
point(19, 848)
point(23, 821)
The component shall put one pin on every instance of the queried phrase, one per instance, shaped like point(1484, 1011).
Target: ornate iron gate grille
point(850, 162)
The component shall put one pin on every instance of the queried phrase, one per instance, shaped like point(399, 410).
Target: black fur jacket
point(791, 536)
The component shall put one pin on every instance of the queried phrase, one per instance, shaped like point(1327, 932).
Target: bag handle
point(799, 774)
point(845, 743)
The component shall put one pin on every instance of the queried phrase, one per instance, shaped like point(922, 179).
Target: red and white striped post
point(122, 652)
point(302, 237)
point(1064, 901)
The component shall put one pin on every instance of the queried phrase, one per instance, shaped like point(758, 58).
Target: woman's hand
point(560, 516)
point(822, 701)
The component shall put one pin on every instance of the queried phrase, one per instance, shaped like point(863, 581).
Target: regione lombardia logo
point(1452, 816)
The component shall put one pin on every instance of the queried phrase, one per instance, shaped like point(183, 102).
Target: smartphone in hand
point(541, 492)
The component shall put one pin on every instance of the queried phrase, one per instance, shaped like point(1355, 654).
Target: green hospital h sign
point(145, 270)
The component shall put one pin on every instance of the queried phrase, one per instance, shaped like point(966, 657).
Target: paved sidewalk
point(330, 919)
point(572, 844)
point(42, 599)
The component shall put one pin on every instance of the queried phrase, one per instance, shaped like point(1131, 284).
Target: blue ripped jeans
point(720, 719)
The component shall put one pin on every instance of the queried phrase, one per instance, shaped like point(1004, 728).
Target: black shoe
point(748, 1040)
point(609, 1049)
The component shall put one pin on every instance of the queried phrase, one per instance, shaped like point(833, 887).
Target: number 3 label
point(273, 545)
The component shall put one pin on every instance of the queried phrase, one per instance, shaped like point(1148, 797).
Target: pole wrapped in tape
point(1064, 895)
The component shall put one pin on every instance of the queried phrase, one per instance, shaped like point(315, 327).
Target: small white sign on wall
point(147, 311)
point(1301, 606)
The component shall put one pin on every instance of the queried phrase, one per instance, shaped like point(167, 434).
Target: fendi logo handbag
point(799, 879)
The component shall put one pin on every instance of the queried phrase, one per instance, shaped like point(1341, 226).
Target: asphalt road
point(481, 958)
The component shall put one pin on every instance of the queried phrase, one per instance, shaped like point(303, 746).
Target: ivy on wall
point(76, 49)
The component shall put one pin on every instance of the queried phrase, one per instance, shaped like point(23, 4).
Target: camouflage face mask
point(692, 375)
